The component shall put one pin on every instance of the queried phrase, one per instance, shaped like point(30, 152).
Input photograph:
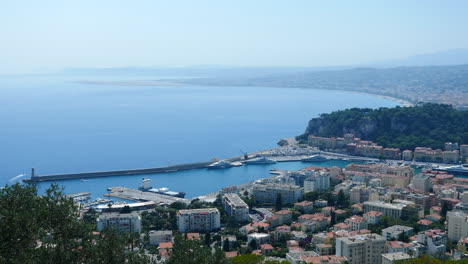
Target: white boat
point(315, 158)
point(261, 160)
point(222, 164)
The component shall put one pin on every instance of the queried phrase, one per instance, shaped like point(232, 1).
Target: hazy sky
point(43, 35)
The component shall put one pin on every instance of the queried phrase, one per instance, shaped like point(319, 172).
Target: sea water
point(58, 125)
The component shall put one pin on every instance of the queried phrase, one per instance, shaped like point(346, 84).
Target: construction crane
point(246, 156)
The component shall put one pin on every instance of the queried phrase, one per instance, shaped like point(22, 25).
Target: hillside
point(424, 125)
point(436, 84)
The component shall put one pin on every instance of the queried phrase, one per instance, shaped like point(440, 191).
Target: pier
point(84, 175)
point(140, 196)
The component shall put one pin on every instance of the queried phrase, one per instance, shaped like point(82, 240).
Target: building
point(161, 236)
point(408, 155)
point(389, 209)
point(450, 156)
point(404, 171)
point(260, 238)
point(394, 232)
point(427, 155)
point(126, 223)
point(284, 217)
point(356, 223)
point(392, 153)
point(450, 146)
point(198, 220)
point(434, 242)
point(373, 217)
point(457, 225)
point(392, 258)
point(267, 192)
point(422, 182)
point(305, 206)
point(236, 207)
point(317, 181)
point(361, 249)
point(359, 194)
point(464, 150)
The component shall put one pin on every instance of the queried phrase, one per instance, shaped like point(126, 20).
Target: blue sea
point(57, 125)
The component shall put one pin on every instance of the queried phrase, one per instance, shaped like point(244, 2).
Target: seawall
point(83, 175)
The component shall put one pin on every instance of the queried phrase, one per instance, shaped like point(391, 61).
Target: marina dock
point(140, 196)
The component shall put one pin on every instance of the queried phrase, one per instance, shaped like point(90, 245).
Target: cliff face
point(429, 125)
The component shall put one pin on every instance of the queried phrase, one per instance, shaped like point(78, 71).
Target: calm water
point(58, 126)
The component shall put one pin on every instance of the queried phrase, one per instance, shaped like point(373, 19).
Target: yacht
point(261, 160)
point(315, 158)
point(222, 164)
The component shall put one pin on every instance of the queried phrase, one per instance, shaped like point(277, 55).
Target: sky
point(49, 35)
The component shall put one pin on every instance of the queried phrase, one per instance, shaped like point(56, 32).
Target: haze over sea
point(56, 125)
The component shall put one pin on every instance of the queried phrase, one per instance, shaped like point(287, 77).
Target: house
point(266, 249)
point(373, 217)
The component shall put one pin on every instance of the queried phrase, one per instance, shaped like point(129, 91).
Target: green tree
point(247, 259)
point(279, 202)
point(47, 229)
point(193, 252)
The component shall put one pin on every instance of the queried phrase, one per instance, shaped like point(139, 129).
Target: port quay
point(172, 168)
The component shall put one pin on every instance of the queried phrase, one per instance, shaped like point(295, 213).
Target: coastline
point(401, 101)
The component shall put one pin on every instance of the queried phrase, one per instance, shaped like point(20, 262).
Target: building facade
point(198, 220)
point(236, 207)
point(361, 249)
point(126, 223)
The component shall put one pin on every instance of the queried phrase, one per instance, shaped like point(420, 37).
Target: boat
point(315, 158)
point(222, 164)
point(146, 187)
point(261, 160)
point(458, 170)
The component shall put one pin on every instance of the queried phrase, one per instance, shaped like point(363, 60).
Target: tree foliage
point(423, 125)
point(47, 229)
point(193, 252)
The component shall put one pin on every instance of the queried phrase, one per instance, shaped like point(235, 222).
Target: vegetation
point(193, 252)
point(423, 125)
point(47, 229)
point(429, 260)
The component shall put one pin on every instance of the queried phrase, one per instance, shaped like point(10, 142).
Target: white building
point(393, 232)
point(434, 242)
point(267, 193)
point(126, 223)
point(457, 225)
point(198, 220)
point(160, 236)
point(389, 209)
point(361, 249)
point(236, 207)
point(317, 181)
point(392, 258)
point(260, 238)
point(422, 182)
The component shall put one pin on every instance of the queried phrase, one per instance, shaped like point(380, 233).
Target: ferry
point(261, 160)
point(222, 164)
point(146, 187)
point(315, 158)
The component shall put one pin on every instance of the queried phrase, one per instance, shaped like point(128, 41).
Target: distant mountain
point(446, 57)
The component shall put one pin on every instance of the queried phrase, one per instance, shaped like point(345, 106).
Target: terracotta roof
point(231, 254)
point(266, 246)
point(165, 245)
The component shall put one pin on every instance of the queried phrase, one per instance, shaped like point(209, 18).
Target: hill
point(423, 125)
point(436, 84)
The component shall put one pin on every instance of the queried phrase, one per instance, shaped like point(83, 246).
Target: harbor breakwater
point(84, 175)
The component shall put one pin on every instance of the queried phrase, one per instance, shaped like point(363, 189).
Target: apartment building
point(198, 220)
point(267, 192)
point(126, 223)
point(457, 225)
point(317, 181)
point(422, 182)
point(236, 207)
point(361, 249)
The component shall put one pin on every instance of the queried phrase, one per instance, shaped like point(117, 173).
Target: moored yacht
point(315, 158)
